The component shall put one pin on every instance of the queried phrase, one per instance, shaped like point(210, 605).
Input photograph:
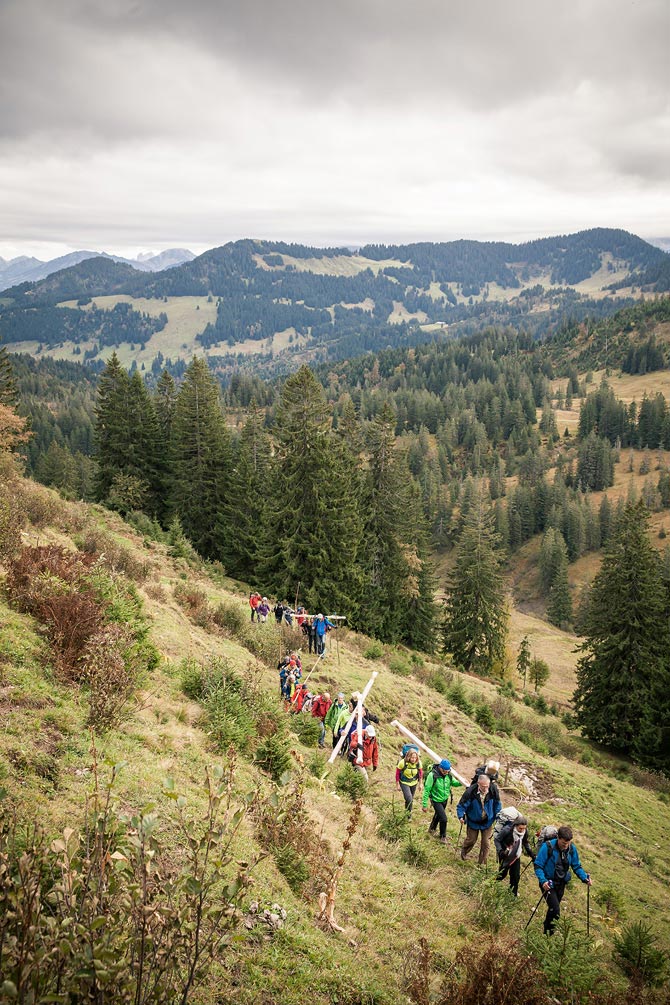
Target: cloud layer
point(147, 123)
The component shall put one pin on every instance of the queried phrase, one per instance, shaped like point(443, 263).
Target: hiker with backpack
point(555, 860)
point(337, 717)
point(369, 749)
point(510, 837)
point(408, 776)
point(478, 807)
point(437, 788)
point(491, 768)
point(321, 626)
point(320, 706)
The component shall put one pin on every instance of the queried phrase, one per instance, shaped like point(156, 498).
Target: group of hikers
point(479, 808)
point(313, 626)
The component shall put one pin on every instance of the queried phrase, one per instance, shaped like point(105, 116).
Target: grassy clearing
point(337, 265)
point(45, 766)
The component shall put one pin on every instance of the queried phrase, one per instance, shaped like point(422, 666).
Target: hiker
point(512, 839)
point(309, 628)
point(491, 768)
point(367, 714)
point(301, 616)
point(288, 613)
point(321, 626)
point(320, 706)
point(296, 658)
point(478, 807)
point(369, 747)
point(337, 716)
point(278, 611)
point(437, 787)
point(300, 698)
point(408, 776)
point(553, 862)
point(262, 610)
point(254, 601)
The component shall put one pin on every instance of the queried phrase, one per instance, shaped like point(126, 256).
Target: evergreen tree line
point(325, 514)
point(633, 425)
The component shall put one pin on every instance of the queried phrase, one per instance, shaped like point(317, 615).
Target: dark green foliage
point(393, 823)
point(273, 755)
point(569, 959)
point(636, 953)
point(559, 608)
point(351, 783)
point(538, 672)
point(485, 718)
point(201, 461)
point(313, 528)
point(8, 390)
point(475, 624)
point(245, 524)
point(595, 470)
point(623, 681)
point(523, 660)
point(293, 866)
point(414, 854)
point(307, 728)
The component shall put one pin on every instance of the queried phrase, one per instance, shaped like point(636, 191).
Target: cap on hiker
point(445, 764)
point(371, 731)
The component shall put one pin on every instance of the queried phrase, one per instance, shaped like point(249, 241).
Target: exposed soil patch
point(529, 781)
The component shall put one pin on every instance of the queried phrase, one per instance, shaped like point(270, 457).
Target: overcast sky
point(136, 125)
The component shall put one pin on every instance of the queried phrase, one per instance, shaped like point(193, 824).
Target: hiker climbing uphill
point(437, 789)
point(337, 717)
point(408, 777)
point(553, 865)
point(478, 807)
point(510, 841)
point(321, 626)
point(369, 748)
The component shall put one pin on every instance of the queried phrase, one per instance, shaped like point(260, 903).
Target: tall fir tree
point(476, 614)
point(201, 458)
point(111, 425)
point(523, 660)
point(559, 608)
point(9, 394)
point(623, 679)
point(313, 527)
point(244, 517)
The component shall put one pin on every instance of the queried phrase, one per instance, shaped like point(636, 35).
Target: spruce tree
point(313, 527)
point(476, 617)
point(8, 393)
point(201, 460)
point(622, 677)
point(559, 608)
point(249, 482)
point(111, 425)
point(523, 660)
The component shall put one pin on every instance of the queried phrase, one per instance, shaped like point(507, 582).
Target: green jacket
point(437, 787)
point(337, 716)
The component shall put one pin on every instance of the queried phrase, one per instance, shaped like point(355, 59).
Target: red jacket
point(320, 706)
point(370, 750)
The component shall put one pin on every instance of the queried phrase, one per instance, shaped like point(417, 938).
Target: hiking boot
point(443, 841)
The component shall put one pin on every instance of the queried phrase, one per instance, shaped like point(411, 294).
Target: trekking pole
point(458, 839)
point(533, 911)
point(529, 862)
point(588, 908)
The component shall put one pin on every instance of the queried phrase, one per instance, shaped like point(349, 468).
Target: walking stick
point(525, 867)
point(533, 911)
point(458, 839)
point(588, 908)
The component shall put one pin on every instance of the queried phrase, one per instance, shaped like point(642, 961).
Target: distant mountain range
point(269, 305)
point(30, 270)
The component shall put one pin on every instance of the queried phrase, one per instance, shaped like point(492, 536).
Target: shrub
point(229, 616)
point(50, 583)
point(611, 900)
point(490, 902)
point(293, 866)
point(569, 959)
point(99, 929)
point(306, 728)
point(273, 756)
point(374, 651)
point(485, 718)
point(191, 598)
point(12, 521)
point(502, 966)
point(393, 823)
point(440, 682)
point(414, 854)
point(456, 696)
point(111, 553)
point(351, 783)
point(112, 666)
point(399, 666)
point(636, 953)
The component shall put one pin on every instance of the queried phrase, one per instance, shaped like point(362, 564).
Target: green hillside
point(398, 885)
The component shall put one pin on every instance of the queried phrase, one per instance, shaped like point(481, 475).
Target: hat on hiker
point(492, 766)
point(445, 764)
point(371, 730)
point(520, 822)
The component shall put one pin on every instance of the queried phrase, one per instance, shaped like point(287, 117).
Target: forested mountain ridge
point(274, 305)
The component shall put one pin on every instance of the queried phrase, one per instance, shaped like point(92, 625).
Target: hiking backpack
point(406, 747)
point(506, 816)
point(548, 833)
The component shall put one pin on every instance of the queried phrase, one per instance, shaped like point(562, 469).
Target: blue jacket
point(470, 808)
point(320, 626)
point(547, 857)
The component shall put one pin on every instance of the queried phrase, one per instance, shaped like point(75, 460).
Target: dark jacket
point(470, 808)
point(547, 857)
point(505, 843)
